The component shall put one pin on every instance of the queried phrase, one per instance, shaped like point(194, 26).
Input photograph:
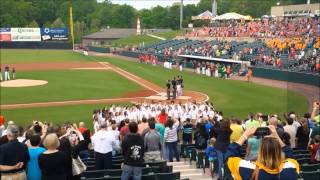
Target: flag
point(71, 27)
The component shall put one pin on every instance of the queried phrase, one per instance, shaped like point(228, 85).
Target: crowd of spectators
point(263, 28)
point(151, 132)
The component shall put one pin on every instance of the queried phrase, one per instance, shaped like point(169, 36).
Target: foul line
point(125, 74)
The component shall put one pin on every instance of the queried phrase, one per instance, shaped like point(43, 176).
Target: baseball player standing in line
point(13, 73)
point(0, 75)
point(168, 89)
point(6, 73)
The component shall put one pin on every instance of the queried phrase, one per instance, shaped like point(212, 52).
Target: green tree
point(58, 23)
point(33, 24)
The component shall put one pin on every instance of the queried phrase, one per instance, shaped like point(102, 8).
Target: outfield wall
point(289, 76)
point(36, 45)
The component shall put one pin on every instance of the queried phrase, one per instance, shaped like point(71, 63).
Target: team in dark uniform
point(174, 87)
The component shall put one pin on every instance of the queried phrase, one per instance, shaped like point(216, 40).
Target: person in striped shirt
point(187, 132)
point(171, 140)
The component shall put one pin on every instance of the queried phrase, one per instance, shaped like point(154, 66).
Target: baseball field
point(78, 84)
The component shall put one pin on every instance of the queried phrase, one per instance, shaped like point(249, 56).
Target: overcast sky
point(140, 4)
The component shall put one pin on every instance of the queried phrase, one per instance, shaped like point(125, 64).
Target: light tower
point(214, 8)
point(138, 27)
point(181, 14)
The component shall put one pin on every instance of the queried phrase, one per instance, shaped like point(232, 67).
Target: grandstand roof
point(111, 33)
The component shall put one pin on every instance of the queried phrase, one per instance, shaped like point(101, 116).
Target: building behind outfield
point(296, 10)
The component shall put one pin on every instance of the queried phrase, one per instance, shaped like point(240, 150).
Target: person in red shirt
point(313, 148)
point(125, 129)
point(82, 128)
point(2, 120)
point(162, 117)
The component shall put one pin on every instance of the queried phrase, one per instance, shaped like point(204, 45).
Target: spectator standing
point(273, 121)
point(201, 141)
point(187, 132)
point(222, 135)
point(270, 159)
point(291, 130)
point(33, 169)
point(152, 144)
point(302, 135)
point(143, 126)
point(82, 128)
point(314, 148)
point(125, 129)
point(53, 163)
point(162, 117)
point(211, 153)
point(133, 152)
point(103, 143)
point(12, 153)
point(2, 128)
point(171, 139)
point(237, 130)
point(252, 148)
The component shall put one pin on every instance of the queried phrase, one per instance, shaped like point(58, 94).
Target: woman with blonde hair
point(53, 162)
point(272, 160)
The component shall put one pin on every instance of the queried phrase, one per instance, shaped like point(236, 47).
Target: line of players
point(7, 73)
point(174, 87)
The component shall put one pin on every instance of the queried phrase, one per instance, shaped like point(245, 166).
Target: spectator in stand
point(315, 114)
point(251, 122)
point(103, 142)
point(200, 139)
point(252, 148)
point(125, 129)
point(143, 126)
point(9, 168)
point(291, 130)
point(133, 152)
point(2, 121)
point(82, 127)
point(162, 117)
point(152, 143)
point(171, 139)
point(222, 134)
point(273, 121)
point(314, 148)
point(302, 135)
point(187, 132)
point(53, 163)
point(269, 161)
point(236, 128)
point(33, 169)
point(12, 153)
point(84, 153)
point(211, 153)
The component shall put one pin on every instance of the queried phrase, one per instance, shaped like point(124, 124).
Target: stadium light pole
point(181, 14)
point(214, 7)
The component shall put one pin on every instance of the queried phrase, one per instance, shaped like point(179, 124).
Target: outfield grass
point(234, 98)
point(69, 85)
point(139, 39)
point(12, 56)
point(56, 115)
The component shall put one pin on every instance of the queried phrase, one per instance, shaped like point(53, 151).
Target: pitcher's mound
point(22, 83)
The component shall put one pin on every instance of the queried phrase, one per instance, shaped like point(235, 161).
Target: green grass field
point(12, 56)
point(138, 39)
point(69, 85)
point(234, 98)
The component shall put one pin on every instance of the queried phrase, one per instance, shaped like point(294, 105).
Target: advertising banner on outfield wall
point(55, 34)
point(25, 34)
point(5, 34)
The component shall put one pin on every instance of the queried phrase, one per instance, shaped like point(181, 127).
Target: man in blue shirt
point(34, 171)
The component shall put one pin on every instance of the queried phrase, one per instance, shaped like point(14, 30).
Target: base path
point(151, 92)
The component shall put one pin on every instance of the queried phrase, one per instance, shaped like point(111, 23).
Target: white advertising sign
point(25, 34)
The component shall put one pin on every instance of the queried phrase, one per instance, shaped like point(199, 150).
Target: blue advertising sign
point(54, 34)
point(5, 30)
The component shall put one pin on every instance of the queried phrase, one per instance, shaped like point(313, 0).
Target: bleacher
point(307, 171)
point(158, 170)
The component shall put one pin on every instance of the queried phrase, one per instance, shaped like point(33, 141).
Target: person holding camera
point(271, 163)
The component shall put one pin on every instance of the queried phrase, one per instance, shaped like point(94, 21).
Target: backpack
point(200, 141)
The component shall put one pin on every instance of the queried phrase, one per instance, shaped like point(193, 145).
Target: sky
point(140, 4)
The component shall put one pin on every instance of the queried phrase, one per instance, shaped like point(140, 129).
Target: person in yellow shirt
point(236, 128)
